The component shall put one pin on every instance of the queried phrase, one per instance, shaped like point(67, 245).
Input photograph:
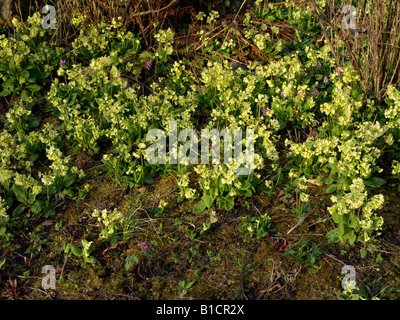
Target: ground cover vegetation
point(77, 192)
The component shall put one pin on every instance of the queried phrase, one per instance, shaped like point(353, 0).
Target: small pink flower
point(282, 93)
point(62, 63)
point(201, 90)
point(315, 91)
point(326, 79)
point(148, 64)
point(340, 73)
point(144, 246)
point(264, 111)
point(319, 65)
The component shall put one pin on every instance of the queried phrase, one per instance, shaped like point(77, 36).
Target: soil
point(221, 261)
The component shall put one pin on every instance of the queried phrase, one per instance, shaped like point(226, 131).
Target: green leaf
point(350, 236)
point(363, 253)
point(131, 261)
point(388, 101)
point(33, 122)
point(328, 180)
point(91, 259)
point(200, 206)
point(18, 210)
point(331, 188)
point(33, 87)
point(333, 236)
point(75, 250)
point(4, 93)
point(9, 201)
point(230, 203)
point(375, 182)
point(69, 192)
point(341, 228)
point(246, 185)
point(25, 75)
point(336, 217)
point(9, 83)
point(222, 203)
point(69, 180)
point(19, 194)
point(149, 180)
point(352, 220)
point(208, 201)
point(289, 252)
point(24, 95)
point(31, 198)
point(37, 207)
point(354, 93)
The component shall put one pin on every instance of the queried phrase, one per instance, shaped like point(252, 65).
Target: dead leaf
point(314, 182)
point(112, 247)
point(47, 223)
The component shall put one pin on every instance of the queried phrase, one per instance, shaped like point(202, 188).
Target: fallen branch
point(301, 221)
point(152, 11)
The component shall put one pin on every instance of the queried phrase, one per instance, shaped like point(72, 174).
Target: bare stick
point(301, 220)
point(316, 10)
point(153, 11)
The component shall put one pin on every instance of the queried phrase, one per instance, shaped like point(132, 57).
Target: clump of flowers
point(165, 48)
point(110, 224)
point(354, 214)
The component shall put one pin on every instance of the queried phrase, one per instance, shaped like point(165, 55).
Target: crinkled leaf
point(333, 236)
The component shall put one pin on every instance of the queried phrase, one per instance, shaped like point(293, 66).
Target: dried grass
point(372, 47)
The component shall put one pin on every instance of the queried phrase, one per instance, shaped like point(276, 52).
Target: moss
point(213, 259)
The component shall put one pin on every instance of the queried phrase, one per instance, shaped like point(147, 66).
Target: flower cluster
point(110, 222)
point(354, 226)
point(27, 59)
point(94, 105)
point(165, 48)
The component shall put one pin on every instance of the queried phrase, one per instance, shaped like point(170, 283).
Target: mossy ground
point(221, 261)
